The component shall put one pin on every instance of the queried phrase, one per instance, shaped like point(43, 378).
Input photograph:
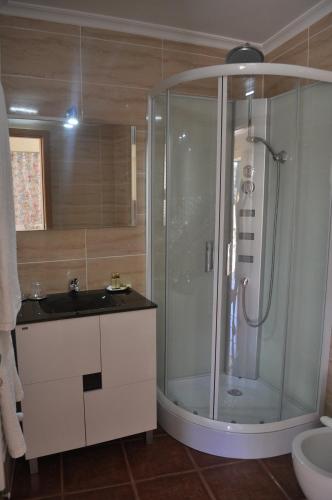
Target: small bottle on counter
point(115, 281)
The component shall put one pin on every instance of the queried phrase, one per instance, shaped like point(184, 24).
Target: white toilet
point(312, 460)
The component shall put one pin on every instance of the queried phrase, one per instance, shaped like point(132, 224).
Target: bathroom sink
point(80, 301)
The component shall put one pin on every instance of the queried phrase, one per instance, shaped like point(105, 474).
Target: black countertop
point(76, 305)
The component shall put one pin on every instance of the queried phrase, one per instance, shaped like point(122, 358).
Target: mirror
point(81, 176)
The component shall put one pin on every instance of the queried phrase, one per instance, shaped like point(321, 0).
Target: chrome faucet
point(74, 285)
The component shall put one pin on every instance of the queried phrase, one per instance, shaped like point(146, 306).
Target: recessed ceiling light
point(250, 92)
point(22, 109)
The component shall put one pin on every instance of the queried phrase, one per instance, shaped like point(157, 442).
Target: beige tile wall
point(107, 75)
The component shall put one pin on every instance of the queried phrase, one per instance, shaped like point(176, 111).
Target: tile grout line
point(47, 32)
point(77, 80)
point(222, 465)
point(165, 475)
point(81, 76)
point(131, 476)
point(200, 474)
point(82, 258)
point(92, 490)
point(273, 478)
point(281, 54)
point(320, 31)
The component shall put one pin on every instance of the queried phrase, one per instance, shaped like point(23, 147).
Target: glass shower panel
point(283, 135)
point(247, 393)
point(158, 226)
point(191, 187)
point(310, 255)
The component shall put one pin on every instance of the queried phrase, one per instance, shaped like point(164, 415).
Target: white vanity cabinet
point(56, 358)
point(126, 404)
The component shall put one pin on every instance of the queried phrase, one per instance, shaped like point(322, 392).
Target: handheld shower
point(278, 157)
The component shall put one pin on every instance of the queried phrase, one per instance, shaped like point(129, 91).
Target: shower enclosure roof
point(241, 69)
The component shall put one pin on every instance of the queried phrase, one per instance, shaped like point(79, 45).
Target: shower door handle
point(209, 256)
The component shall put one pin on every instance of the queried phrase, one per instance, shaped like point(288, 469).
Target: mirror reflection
point(65, 176)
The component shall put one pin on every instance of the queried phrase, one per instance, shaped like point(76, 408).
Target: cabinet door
point(120, 411)
point(53, 350)
point(53, 416)
point(128, 347)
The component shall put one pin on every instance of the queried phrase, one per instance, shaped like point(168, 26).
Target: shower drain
point(235, 392)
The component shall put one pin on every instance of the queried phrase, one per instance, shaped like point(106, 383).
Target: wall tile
point(86, 172)
point(274, 85)
point(320, 25)
point(118, 36)
point(118, 105)
point(141, 143)
point(54, 276)
point(175, 62)
point(141, 193)
point(320, 50)
point(39, 54)
point(120, 64)
point(51, 98)
point(195, 49)
point(74, 150)
point(76, 205)
point(115, 241)
point(36, 246)
point(76, 216)
point(131, 269)
point(37, 24)
point(298, 39)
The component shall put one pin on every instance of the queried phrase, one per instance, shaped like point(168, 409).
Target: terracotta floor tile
point(163, 456)
point(115, 493)
point(180, 487)
point(282, 469)
point(242, 481)
point(205, 460)
point(45, 483)
point(93, 467)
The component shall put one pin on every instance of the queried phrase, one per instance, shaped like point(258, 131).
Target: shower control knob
point(248, 171)
point(248, 187)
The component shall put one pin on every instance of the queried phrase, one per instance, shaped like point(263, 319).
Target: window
point(27, 159)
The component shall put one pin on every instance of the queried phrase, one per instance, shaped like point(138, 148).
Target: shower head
point(244, 54)
point(280, 157)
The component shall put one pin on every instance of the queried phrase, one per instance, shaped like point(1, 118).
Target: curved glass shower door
point(276, 232)
point(240, 204)
point(190, 179)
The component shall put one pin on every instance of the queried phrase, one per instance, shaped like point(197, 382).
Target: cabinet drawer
point(58, 349)
point(53, 417)
point(128, 347)
point(121, 411)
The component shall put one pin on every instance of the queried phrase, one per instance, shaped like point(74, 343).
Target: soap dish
point(122, 288)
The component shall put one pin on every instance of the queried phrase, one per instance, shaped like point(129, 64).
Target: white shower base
point(186, 419)
point(258, 403)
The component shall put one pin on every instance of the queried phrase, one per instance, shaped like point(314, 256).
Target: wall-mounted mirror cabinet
point(72, 177)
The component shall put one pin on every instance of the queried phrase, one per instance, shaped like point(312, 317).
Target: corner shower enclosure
point(239, 193)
